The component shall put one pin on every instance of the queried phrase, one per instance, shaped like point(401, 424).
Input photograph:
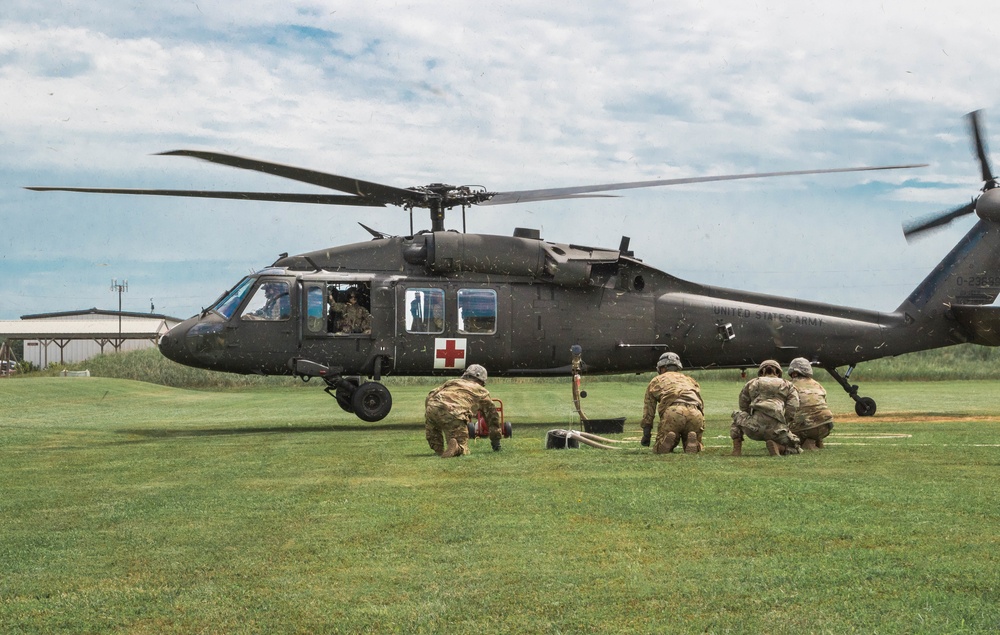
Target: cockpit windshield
point(228, 304)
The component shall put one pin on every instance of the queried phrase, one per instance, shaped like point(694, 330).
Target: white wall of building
point(84, 334)
point(42, 354)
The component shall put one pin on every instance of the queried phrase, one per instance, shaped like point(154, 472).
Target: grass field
point(136, 508)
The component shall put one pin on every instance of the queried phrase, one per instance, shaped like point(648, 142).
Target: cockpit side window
point(228, 305)
point(425, 310)
point(270, 302)
point(314, 308)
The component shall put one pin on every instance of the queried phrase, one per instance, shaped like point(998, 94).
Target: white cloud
point(507, 94)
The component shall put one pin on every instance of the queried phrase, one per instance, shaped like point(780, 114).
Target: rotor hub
point(988, 205)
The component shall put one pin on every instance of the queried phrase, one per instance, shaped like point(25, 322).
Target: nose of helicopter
point(172, 343)
point(194, 342)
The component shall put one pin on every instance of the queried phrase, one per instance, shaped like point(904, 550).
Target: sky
point(511, 95)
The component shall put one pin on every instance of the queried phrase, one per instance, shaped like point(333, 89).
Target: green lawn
point(134, 508)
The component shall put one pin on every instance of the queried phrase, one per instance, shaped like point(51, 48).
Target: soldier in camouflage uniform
point(349, 316)
point(276, 303)
point(767, 403)
point(450, 407)
point(681, 409)
point(813, 420)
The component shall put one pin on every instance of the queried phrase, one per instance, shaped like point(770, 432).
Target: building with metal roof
point(74, 336)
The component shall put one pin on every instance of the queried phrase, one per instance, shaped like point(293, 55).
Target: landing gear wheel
point(508, 430)
point(344, 401)
point(865, 407)
point(371, 401)
point(344, 394)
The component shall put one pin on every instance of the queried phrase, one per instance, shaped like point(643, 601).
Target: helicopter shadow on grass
point(181, 433)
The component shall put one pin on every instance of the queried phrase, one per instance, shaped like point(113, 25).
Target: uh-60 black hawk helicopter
point(435, 301)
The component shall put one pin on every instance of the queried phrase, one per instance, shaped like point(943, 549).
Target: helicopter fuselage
point(439, 301)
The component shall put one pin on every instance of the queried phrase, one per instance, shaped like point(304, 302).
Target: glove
point(495, 444)
point(647, 435)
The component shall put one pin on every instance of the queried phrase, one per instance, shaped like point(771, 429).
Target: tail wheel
point(371, 401)
point(865, 407)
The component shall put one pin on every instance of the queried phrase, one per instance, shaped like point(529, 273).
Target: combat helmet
point(669, 359)
point(477, 372)
point(801, 366)
point(769, 364)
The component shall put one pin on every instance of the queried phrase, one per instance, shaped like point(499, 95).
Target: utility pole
point(120, 288)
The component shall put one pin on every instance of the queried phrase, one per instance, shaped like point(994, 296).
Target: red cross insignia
point(449, 353)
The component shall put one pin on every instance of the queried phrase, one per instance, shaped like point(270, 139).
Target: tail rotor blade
point(912, 230)
point(984, 161)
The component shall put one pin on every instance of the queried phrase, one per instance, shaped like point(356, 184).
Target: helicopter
point(432, 302)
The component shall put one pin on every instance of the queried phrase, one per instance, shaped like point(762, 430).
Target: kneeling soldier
point(813, 420)
point(767, 403)
point(450, 407)
point(678, 399)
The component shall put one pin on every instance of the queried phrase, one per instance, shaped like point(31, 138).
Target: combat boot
point(774, 448)
point(692, 446)
point(737, 447)
point(668, 444)
point(452, 449)
point(809, 444)
point(792, 443)
point(819, 444)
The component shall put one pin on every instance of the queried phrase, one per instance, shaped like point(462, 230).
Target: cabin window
point(350, 308)
point(425, 310)
point(227, 306)
point(270, 302)
point(477, 311)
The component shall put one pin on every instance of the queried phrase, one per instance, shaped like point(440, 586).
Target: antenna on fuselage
point(623, 246)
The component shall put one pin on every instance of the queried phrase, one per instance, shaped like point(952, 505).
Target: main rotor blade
point(320, 199)
point(367, 189)
point(984, 161)
point(523, 196)
point(910, 231)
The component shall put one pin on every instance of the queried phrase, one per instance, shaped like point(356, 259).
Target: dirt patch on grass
point(916, 418)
